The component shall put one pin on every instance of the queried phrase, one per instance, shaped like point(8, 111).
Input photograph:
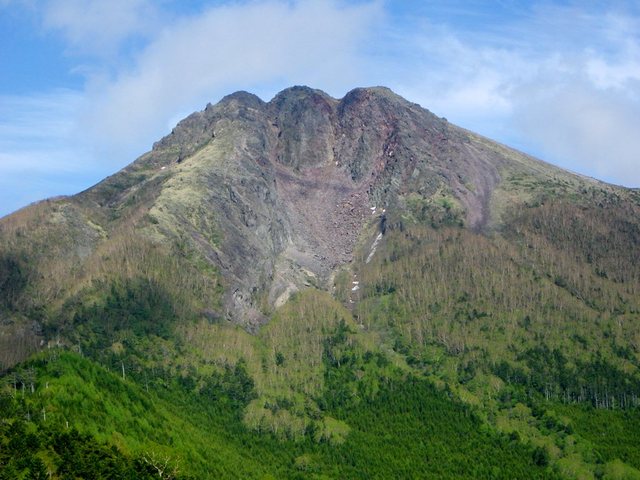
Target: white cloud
point(99, 26)
point(584, 112)
point(613, 75)
point(38, 132)
point(562, 83)
point(41, 152)
point(226, 48)
point(587, 129)
point(460, 80)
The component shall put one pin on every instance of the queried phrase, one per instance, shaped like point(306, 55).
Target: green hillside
point(78, 420)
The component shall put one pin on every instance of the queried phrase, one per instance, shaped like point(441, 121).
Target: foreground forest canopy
point(322, 288)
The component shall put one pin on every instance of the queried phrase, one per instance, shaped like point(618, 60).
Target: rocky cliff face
point(276, 196)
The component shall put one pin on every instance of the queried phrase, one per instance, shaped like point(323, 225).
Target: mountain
point(281, 266)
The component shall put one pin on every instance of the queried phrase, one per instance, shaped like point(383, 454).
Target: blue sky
point(86, 86)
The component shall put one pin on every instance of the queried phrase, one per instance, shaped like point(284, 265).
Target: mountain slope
point(291, 183)
point(331, 248)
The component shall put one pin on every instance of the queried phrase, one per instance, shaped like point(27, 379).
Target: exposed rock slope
point(271, 197)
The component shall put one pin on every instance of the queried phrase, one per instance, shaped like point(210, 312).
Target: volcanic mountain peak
point(241, 97)
point(292, 183)
point(422, 252)
point(279, 195)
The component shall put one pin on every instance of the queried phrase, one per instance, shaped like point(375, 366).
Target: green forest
point(127, 412)
point(69, 417)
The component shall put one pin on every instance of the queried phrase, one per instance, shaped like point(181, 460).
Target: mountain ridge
point(298, 190)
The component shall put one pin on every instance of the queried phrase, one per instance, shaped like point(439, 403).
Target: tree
point(541, 456)
point(163, 465)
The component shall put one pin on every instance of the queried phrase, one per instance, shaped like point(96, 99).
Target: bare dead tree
point(166, 467)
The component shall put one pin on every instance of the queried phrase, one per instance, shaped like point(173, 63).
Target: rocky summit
point(289, 186)
point(276, 195)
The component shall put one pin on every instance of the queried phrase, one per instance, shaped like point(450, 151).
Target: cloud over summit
point(228, 48)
